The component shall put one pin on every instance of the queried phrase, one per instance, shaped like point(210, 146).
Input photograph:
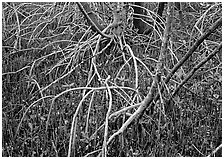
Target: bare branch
point(197, 67)
point(91, 21)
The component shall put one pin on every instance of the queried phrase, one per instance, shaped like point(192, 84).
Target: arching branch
point(84, 7)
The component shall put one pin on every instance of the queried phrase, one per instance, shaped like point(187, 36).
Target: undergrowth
point(57, 78)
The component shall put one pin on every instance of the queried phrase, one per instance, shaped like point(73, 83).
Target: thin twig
point(104, 148)
point(74, 125)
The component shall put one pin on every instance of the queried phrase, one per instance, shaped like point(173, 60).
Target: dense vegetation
point(148, 85)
